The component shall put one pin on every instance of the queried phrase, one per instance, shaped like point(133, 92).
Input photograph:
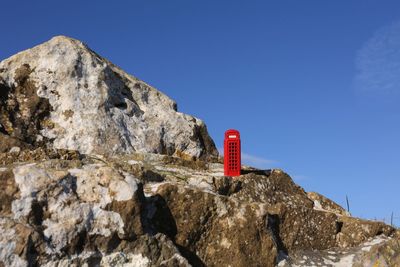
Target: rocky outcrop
point(381, 254)
point(325, 204)
point(154, 210)
point(364, 254)
point(62, 94)
point(78, 188)
point(55, 213)
point(217, 228)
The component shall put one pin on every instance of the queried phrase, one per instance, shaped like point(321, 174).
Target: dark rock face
point(7, 143)
point(22, 112)
point(131, 214)
point(8, 192)
point(38, 154)
point(226, 186)
point(219, 230)
point(303, 225)
point(160, 250)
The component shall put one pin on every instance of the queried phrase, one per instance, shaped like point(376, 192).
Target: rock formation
point(64, 94)
point(99, 169)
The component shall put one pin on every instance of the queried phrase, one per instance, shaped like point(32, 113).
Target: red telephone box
point(232, 158)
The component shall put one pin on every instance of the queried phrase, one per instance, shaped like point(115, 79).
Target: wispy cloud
point(254, 161)
point(298, 178)
point(378, 63)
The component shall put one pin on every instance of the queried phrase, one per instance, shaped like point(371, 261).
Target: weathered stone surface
point(382, 254)
point(217, 230)
point(8, 191)
point(226, 186)
point(37, 155)
point(355, 231)
point(22, 112)
point(325, 204)
point(303, 228)
point(340, 257)
point(97, 211)
point(303, 224)
point(272, 188)
point(58, 212)
point(61, 93)
point(8, 143)
point(159, 250)
point(300, 225)
point(147, 251)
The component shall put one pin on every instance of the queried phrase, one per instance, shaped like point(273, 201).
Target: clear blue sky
point(313, 86)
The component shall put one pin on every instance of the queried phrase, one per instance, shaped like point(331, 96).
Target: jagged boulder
point(108, 212)
point(218, 229)
point(61, 213)
point(325, 204)
point(306, 220)
point(382, 254)
point(64, 95)
point(294, 221)
point(353, 231)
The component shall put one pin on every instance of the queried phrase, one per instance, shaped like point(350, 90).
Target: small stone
point(15, 149)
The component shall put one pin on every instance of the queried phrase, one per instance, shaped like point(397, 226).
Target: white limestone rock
point(123, 260)
point(96, 108)
point(75, 201)
point(7, 246)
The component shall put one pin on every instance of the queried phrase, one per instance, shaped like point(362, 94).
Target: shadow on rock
point(157, 218)
point(255, 171)
point(272, 222)
point(226, 186)
point(192, 258)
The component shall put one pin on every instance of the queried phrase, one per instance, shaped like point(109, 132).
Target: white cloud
point(254, 161)
point(378, 63)
point(299, 177)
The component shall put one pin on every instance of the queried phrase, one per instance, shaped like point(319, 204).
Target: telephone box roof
point(232, 132)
